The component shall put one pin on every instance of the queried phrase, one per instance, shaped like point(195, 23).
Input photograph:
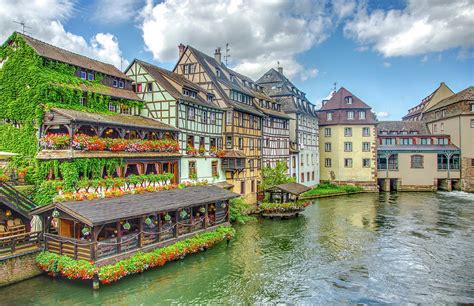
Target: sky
point(389, 53)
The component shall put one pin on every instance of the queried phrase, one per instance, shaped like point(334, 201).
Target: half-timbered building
point(172, 99)
point(303, 162)
point(237, 95)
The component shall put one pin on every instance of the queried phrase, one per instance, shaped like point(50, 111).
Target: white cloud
point(423, 26)
point(45, 22)
point(260, 33)
point(387, 64)
point(382, 115)
point(115, 11)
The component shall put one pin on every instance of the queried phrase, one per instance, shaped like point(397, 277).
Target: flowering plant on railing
point(55, 141)
point(283, 207)
point(191, 151)
point(215, 152)
point(202, 150)
point(66, 266)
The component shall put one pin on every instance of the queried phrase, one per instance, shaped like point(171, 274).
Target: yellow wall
point(337, 172)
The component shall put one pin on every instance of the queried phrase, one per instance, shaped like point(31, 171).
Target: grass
point(328, 188)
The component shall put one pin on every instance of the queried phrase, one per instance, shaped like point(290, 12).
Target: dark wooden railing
point(75, 248)
point(19, 243)
point(16, 199)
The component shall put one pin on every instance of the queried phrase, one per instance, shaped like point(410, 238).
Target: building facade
point(239, 97)
point(172, 99)
point(440, 93)
point(347, 140)
point(455, 116)
point(303, 162)
point(410, 158)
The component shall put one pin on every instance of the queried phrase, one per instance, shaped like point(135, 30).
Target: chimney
point(280, 69)
point(217, 55)
point(181, 48)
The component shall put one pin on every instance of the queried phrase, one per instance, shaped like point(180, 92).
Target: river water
point(369, 248)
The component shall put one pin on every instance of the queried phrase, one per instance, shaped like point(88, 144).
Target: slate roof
point(100, 211)
point(293, 188)
point(162, 76)
point(400, 126)
point(115, 119)
point(55, 53)
point(464, 95)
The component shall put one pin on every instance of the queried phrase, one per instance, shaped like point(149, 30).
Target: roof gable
point(338, 101)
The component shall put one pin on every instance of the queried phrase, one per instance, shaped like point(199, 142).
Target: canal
point(369, 248)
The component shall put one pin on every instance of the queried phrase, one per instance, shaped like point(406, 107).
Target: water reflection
point(370, 248)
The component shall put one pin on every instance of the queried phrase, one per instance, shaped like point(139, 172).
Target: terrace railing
point(15, 199)
point(20, 243)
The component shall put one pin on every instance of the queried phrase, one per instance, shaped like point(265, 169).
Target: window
point(472, 109)
point(327, 132)
point(232, 78)
point(366, 162)
point(361, 115)
point(82, 101)
point(83, 75)
point(228, 142)
point(348, 146)
point(188, 68)
point(388, 141)
point(348, 162)
point(312, 176)
point(241, 143)
point(454, 162)
point(327, 147)
point(242, 187)
point(212, 118)
point(111, 107)
point(218, 72)
point(347, 131)
point(125, 109)
point(90, 76)
point(472, 122)
point(327, 163)
point(350, 115)
point(307, 176)
point(240, 119)
point(214, 168)
point(442, 141)
point(381, 162)
point(191, 113)
point(302, 177)
point(417, 161)
point(472, 162)
point(348, 99)
point(192, 169)
point(424, 141)
point(149, 86)
point(252, 186)
point(228, 118)
point(365, 131)
point(251, 123)
point(121, 84)
point(251, 143)
point(251, 164)
point(293, 162)
point(442, 162)
point(204, 116)
point(139, 87)
point(190, 141)
point(212, 142)
point(114, 83)
point(366, 146)
point(406, 141)
point(210, 97)
point(435, 127)
point(329, 116)
point(393, 162)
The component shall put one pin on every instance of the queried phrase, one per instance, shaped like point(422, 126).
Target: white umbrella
point(36, 225)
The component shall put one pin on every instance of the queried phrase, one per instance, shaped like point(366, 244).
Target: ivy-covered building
point(76, 124)
point(172, 99)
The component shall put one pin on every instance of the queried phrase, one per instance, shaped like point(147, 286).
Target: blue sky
point(389, 53)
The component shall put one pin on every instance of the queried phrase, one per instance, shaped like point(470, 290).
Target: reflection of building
point(304, 153)
point(455, 116)
point(347, 141)
point(412, 159)
point(174, 100)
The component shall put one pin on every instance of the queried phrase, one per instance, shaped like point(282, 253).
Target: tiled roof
point(464, 95)
point(162, 76)
point(115, 119)
point(400, 126)
point(55, 53)
point(337, 101)
point(234, 154)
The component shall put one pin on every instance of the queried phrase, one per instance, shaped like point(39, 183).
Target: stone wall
point(18, 268)
point(467, 180)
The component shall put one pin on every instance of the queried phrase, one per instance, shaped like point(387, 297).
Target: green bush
point(240, 210)
point(328, 188)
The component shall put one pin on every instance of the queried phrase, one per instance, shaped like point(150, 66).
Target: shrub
point(240, 210)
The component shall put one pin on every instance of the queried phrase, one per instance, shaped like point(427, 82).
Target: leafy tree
point(275, 175)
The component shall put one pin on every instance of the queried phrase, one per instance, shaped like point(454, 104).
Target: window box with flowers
point(191, 151)
point(215, 152)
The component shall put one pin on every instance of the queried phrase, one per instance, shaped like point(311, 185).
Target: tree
point(275, 175)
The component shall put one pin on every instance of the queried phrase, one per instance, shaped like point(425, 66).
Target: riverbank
point(330, 190)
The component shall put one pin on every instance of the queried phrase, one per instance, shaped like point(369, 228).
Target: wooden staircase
point(15, 200)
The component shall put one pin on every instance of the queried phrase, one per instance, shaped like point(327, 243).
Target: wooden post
point(119, 238)
point(140, 229)
point(158, 216)
point(176, 231)
point(228, 211)
point(206, 216)
point(191, 221)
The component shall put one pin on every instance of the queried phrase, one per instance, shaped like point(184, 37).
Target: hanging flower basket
point(202, 209)
point(183, 214)
point(55, 213)
point(223, 205)
point(167, 217)
point(148, 221)
point(86, 231)
point(126, 226)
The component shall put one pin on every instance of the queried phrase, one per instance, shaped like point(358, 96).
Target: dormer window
point(348, 99)
point(218, 72)
point(232, 78)
point(189, 93)
point(90, 76)
point(210, 97)
point(114, 83)
point(111, 107)
point(361, 115)
point(83, 75)
point(329, 117)
point(121, 84)
point(350, 115)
